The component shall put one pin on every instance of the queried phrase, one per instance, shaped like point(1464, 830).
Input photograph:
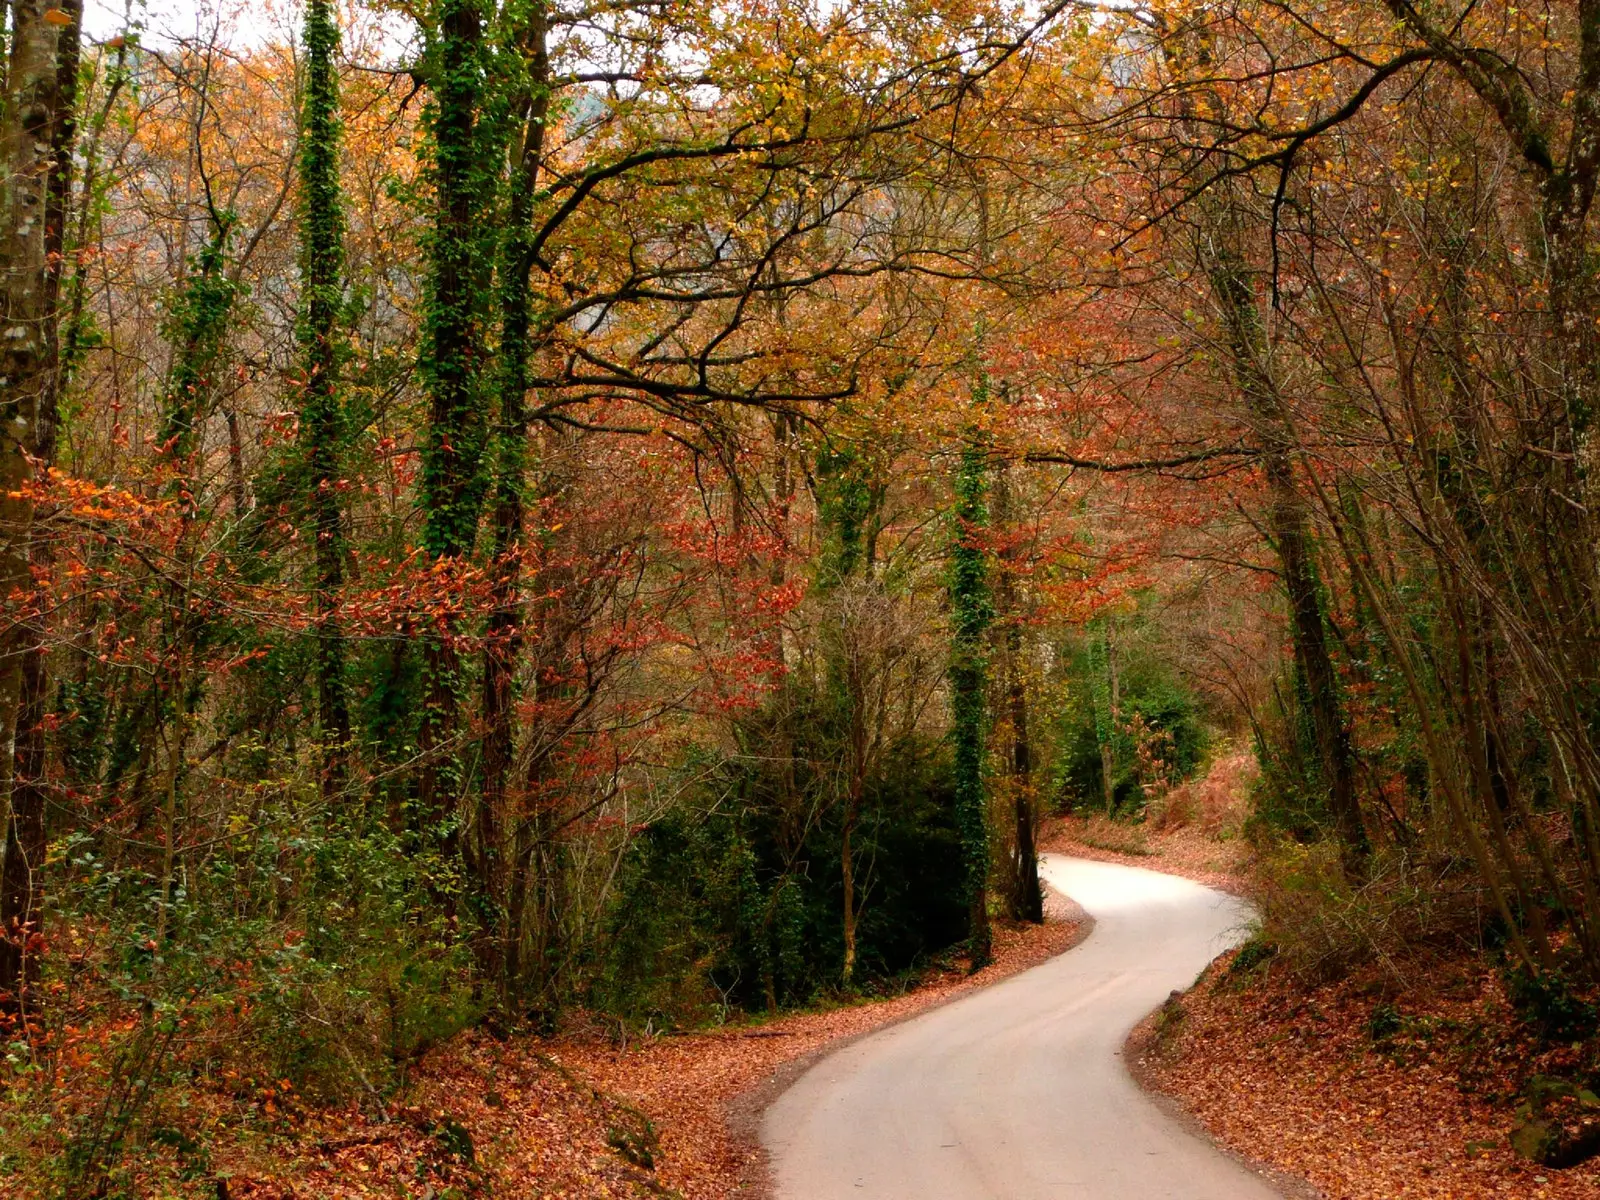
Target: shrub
point(1550, 1002)
point(1256, 952)
point(721, 908)
point(1156, 738)
point(295, 963)
point(1323, 926)
point(1384, 1022)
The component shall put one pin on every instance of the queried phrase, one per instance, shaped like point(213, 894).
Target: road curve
point(1018, 1091)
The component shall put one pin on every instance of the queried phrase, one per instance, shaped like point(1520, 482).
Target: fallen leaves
point(1368, 1091)
point(1185, 851)
point(1369, 1095)
point(581, 1116)
point(691, 1082)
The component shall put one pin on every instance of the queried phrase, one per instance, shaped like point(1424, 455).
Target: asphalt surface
point(1018, 1091)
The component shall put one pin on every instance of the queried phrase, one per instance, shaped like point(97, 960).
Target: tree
point(36, 135)
point(971, 611)
point(320, 335)
point(1025, 895)
point(465, 166)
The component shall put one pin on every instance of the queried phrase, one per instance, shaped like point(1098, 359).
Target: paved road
point(1017, 1092)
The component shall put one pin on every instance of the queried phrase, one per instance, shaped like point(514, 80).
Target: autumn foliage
point(629, 517)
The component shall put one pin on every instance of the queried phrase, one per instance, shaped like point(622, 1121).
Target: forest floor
point(1400, 1081)
point(1370, 1090)
point(582, 1116)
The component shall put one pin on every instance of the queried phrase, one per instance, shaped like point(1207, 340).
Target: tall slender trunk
point(321, 323)
point(36, 131)
point(847, 873)
point(1107, 722)
point(534, 894)
point(782, 747)
point(463, 174)
point(503, 647)
point(846, 502)
point(783, 497)
point(1026, 897)
point(1289, 524)
point(971, 612)
point(58, 204)
point(855, 791)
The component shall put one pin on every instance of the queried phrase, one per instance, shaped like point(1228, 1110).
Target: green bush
point(295, 957)
point(721, 907)
point(1550, 1002)
point(1156, 736)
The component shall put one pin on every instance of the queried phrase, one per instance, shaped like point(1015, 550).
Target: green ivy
point(198, 323)
point(971, 612)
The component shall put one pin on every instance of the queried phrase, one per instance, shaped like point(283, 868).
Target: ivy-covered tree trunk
point(321, 350)
point(971, 611)
point(464, 173)
point(36, 126)
point(464, 170)
point(198, 325)
point(503, 646)
point(1026, 896)
point(1288, 518)
point(198, 330)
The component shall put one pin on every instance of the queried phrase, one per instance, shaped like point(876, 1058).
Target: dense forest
point(637, 513)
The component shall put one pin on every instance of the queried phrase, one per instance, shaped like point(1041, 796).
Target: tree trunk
point(848, 878)
point(531, 945)
point(35, 150)
point(1026, 897)
point(1289, 525)
point(321, 411)
point(452, 362)
point(971, 612)
point(503, 646)
point(1108, 731)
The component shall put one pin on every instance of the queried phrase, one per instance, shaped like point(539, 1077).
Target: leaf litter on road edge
point(579, 1116)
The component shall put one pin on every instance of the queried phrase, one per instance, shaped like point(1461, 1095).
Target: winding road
point(1018, 1091)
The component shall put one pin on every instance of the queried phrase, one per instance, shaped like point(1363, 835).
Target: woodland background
point(634, 512)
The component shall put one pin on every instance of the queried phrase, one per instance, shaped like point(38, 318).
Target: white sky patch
point(162, 22)
point(236, 24)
